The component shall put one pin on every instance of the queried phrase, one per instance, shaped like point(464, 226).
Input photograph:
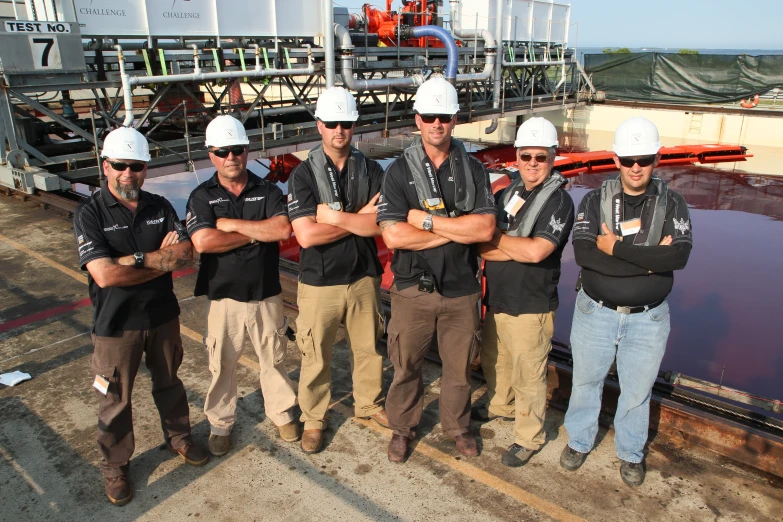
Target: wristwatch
point(427, 223)
point(138, 259)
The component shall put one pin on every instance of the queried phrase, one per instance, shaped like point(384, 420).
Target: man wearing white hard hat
point(129, 242)
point(436, 205)
point(535, 216)
point(332, 199)
point(630, 235)
point(235, 220)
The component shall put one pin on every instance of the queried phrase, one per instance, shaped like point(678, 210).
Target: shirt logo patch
point(580, 216)
point(218, 201)
point(556, 224)
point(80, 240)
point(156, 221)
point(114, 227)
point(682, 226)
point(291, 198)
point(259, 198)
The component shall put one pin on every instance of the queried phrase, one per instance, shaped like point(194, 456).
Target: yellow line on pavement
point(54, 264)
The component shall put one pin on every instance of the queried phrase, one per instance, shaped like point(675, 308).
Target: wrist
point(138, 259)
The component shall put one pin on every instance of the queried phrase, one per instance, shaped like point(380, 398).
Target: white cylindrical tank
point(523, 20)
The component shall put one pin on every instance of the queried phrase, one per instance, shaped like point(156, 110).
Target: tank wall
point(523, 20)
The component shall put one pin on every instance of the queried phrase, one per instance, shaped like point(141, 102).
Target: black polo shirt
point(531, 288)
point(453, 266)
point(105, 228)
point(343, 261)
point(624, 278)
point(247, 273)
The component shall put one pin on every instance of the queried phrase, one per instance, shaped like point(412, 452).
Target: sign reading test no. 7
point(37, 27)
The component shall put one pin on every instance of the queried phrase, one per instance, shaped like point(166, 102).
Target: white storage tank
point(523, 20)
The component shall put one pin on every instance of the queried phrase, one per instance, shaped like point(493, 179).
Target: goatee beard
point(128, 192)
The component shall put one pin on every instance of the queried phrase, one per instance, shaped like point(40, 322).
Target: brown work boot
point(289, 432)
point(379, 417)
point(192, 454)
point(118, 490)
point(466, 445)
point(398, 448)
point(219, 444)
point(312, 441)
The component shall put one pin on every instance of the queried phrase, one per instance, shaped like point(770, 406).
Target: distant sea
point(753, 52)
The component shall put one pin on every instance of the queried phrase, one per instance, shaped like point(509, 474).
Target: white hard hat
point(636, 137)
point(126, 143)
point(225, 131)
point(536, 132)
point(436, 96)
point(336, 104)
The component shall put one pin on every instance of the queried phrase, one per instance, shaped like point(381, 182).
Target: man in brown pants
point(130, 241)
point(235, 220)
point(535, 217)
point(332, 204)
point(435, 205)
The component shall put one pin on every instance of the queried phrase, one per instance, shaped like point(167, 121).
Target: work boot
point(379, 417)
point(516, 455)
point(632, 473)
point(482, 414)
point(466, 445)
point(192, 454)
point(118, 490)
point(312, 441)
point(398, 449)
point(219, 444)
point(289, 432)
point(571, 459)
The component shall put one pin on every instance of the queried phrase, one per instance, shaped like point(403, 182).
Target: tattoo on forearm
point(168, 260)
point(385, 224)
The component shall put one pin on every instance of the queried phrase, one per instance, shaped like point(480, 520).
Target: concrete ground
point(48, 455)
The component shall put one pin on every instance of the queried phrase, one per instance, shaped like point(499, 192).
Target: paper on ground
point(14, 378)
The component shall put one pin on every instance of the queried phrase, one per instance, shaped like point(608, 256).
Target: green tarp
point(683, 78)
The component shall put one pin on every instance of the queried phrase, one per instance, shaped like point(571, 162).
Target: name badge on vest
point(433, 204)
point(514, 205)
point(630, 227)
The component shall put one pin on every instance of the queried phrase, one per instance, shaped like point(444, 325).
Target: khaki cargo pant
point(514, 359)
point(228, 322)
point(321, 309)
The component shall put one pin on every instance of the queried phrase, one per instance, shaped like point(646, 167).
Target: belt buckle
point(624, 309)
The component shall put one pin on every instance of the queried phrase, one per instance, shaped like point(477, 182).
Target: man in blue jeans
point(629, 236)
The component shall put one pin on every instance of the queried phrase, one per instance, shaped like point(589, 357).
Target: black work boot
point(571, 459)
point(516, 455)
point(632, 473)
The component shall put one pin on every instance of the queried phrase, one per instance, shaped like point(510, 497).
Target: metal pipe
point(127, 90)
point(328, 42)
point(532, 64)
point(452, 60)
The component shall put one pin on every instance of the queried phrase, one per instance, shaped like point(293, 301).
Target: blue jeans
point(638, 341)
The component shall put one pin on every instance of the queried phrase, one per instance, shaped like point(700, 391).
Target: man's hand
point(372, 206)
point(605, 243)
point(326, 215)
point(172, 238)
point(416, 218)
point(666, 241)
point(225, 225)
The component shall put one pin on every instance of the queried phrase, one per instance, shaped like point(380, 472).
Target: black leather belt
point(626, 309)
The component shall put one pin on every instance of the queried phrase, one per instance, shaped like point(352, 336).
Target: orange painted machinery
point(414, 13)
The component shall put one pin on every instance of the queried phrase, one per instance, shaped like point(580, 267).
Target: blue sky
point(707, 24)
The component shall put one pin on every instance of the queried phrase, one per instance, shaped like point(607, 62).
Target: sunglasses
point(430, 118)
point(540, 158)
point(331, 125)
point(120, 166)
point(223, 152)
point(643, 161)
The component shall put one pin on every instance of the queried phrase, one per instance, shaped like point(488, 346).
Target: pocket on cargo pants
point(281, 343)
point(213, 354)
point(475, 347)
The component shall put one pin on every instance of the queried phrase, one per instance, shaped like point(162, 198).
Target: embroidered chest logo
point(156, 221)
point(556, 224)
point(218, 201)
point(259, 198)
point(114, 227)
point(682, 226)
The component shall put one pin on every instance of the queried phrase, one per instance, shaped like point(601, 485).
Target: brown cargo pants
point(416, 318)
point(117, 359)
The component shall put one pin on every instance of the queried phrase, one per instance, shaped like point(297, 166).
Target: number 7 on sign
point(46, 52)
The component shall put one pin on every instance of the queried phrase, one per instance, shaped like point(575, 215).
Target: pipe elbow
point(492, 127)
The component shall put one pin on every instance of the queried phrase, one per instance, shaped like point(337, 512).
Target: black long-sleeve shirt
point(624, 278)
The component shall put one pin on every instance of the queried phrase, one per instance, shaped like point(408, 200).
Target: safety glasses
point(223, 152)
point(120, 166)
point(540, 158)
point(642, 161)
point(430, 118)
point(331, 125)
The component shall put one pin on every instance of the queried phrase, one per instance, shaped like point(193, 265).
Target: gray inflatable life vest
point(653, 213)
point(523, 226)
point(358, 193)
point(426, 180)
